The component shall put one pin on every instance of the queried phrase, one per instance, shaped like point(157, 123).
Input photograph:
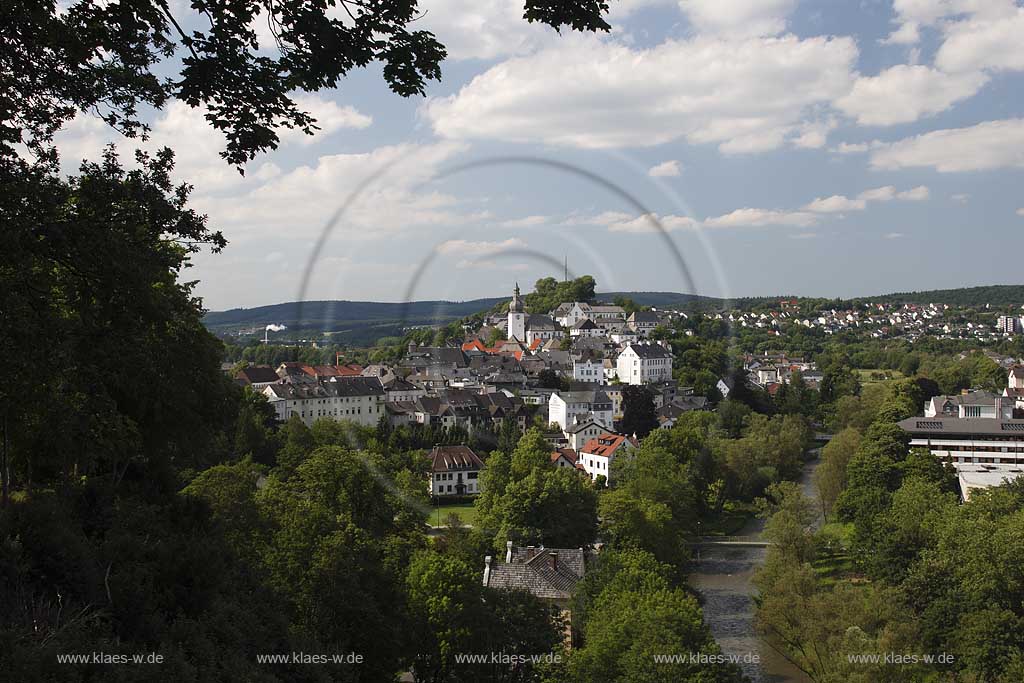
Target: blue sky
point(810, 147)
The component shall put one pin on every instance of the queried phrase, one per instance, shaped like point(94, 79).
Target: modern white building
point(358, 399)
point(644, 364)
point(568, 407)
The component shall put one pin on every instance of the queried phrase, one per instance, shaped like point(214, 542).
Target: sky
point(722, 147)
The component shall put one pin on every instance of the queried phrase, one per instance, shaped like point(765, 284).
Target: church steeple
point(517, 303)
point(516, 317)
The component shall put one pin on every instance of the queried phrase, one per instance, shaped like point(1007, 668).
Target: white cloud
point(197, 144)
point(814, 135)
point(743, 18)
point(835, 204)
point(918, 194)
point(1020, 212)
point(525, 221)
point(961, 198)
point(984, 43)
point(330, 118)
point(667, 169)
point(879, 194)
point(470, 248)
point(302, 200)
point(985, 146)
point(483, 29)
point(906, 34)
point(756, 218)
point(850, 148)
point(893, 235)
point(650, 223)
point(904, 93)
point(746, 95)
point(618, 221)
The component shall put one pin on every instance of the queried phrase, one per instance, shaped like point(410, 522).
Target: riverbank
point(723, 576)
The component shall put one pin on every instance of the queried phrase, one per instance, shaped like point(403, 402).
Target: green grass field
point(465, 511)
point(878, 375)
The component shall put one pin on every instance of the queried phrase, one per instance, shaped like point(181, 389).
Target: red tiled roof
point(567, 453)
point(605, 445)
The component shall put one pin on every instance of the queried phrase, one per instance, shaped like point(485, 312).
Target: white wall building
point(588, 370)
point(358, 399)
point(454, 471)
point(598, 454)
point(567, 407)
point(643, 364)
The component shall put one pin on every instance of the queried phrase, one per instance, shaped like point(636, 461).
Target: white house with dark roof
point(643, 322)
point(567, 407)
point(644, 364)
point(969, 404)
point(358, 399)
point(454, 471)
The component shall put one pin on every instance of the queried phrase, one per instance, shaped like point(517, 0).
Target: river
point(723, 577)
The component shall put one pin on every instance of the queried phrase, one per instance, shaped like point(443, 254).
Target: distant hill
point(363, 322)
point(997, 295)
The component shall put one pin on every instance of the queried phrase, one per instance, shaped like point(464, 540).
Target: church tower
point(516, 317)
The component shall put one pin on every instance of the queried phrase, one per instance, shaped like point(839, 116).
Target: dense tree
point(830, 475)
point(639, 417)
point(633, 614)
point(525, 499)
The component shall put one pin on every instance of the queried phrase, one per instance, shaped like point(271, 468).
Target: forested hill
point(357, 320)
point(997, 295)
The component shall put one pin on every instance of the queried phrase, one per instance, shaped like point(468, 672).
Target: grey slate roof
point(547, 573)
point(650, 350)
point(329, 388)
point(454, 458)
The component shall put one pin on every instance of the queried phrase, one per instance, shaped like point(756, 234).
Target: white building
point(568, 314)
point(589, 369)
point(568, 407)
point(580, 433)
point(454, 471)
point(358, 399)
point(969, 404)
point(598, 454)
point(1010, 324)
point(643, 364)
point(643, 322)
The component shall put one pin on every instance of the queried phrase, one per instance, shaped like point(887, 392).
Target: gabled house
point(550, 574)
point(257, 376)
point(643, 322)
point(597, 456)
point(578, 434)
point(643, 364)
point(564, 408)
point(454, 471)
